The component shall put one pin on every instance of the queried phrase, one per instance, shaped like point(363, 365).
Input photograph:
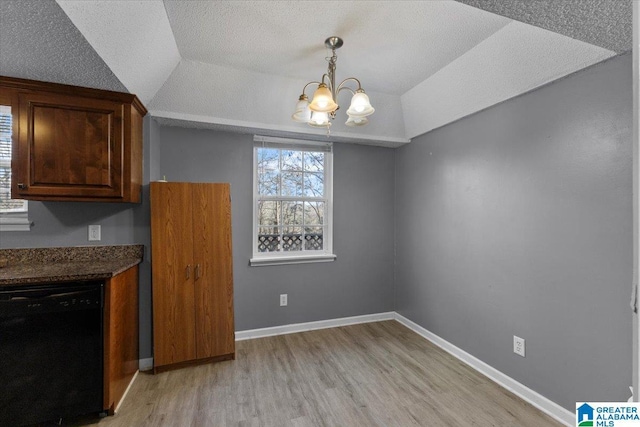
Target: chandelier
point(322, 108)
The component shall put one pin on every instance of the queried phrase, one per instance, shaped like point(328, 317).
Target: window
point(13, 212)
point(292, 201)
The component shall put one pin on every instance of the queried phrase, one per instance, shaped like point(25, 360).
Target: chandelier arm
point(341, 86)
point(325, 97)
point(353, 92)
point(310, 83)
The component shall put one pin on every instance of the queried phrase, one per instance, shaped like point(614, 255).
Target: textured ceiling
point(142, 52)
point(390, 46)
point(242, 64)
point(515, 60)
point(39, 42)
point(604, 23)
point(441, 60)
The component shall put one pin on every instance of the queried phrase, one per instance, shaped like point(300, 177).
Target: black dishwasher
point(51, 357)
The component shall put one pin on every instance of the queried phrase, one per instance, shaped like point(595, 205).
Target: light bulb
point(302, 113)
point(360, 105)
point(319, 119)
point(322, 101)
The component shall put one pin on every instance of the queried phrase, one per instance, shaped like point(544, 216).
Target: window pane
point(292, 213)
point(5, 189)
point(291, 239)
point(313, 184)
point(269, 183)
point(314, 213)
point(313, 238)
point(268, 212)
point(313, 162)
point(291, 200)
point(268, 158)
point(292, 184)
point(7, 204)
point(268, 239)
point(291, 160)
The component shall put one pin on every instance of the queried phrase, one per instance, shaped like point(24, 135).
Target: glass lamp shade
point(319, 120)
point(360, 105)
point(357, 121)
point(322, 100)
point(302, 113)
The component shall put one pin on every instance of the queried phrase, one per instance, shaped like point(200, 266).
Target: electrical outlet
point(283, 300)
point(518, 346)
point(94, 233)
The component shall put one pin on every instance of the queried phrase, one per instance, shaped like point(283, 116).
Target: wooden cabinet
point(120, 336)
point(74, 144)
point(192, 273)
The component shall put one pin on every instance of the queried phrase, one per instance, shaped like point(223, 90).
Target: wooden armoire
point(192, 274)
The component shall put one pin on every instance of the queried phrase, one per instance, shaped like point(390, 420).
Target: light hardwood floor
point(374, 374)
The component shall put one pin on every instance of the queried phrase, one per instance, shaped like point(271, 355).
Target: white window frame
point(13, 219)
point(279, 258)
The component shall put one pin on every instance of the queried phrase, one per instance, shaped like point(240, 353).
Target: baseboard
point(547, 406)
point(145, 364)
point(310, 326)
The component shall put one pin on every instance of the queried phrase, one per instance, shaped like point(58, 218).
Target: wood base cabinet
point(120, 336)
point(192, 274)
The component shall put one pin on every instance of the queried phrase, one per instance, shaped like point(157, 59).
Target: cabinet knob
point(22, 186)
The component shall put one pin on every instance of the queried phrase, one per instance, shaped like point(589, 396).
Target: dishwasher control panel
point(50, 298)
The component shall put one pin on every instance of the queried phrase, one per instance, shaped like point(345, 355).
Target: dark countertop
point(57, 265)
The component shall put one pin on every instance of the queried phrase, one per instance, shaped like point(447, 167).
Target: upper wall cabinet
point(74, 144)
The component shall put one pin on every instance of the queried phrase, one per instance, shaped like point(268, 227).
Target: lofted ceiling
point(242, 65)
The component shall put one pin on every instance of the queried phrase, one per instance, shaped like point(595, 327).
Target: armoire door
point(173, 273)
point(214, 270)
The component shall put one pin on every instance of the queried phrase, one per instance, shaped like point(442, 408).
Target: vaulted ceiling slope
point(39, 42)
point(242, 65)
point(604, 23)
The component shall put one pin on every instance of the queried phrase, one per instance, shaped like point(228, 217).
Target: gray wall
point(65, 224)
point(359, 282)
point(518, 221)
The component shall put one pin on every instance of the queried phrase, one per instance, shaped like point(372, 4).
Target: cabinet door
point(173, 273)
point(121, 336)
point(70, 146)
point(214, 278)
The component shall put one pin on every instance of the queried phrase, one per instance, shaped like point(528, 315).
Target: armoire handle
point(197, 271)
point(188, 271)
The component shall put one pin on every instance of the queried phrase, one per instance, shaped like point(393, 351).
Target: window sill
point(15, 224)
point(282, 260)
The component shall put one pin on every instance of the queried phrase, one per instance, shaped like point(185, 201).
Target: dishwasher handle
point(71, 295)
point(35, 300)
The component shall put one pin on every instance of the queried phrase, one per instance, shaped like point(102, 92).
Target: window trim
point(14, 222)
point(326, 255)
point(17, 220)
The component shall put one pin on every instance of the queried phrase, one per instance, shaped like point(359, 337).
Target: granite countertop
point(53, 265)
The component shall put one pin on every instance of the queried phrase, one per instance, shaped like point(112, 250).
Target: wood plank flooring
point(374, 374)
